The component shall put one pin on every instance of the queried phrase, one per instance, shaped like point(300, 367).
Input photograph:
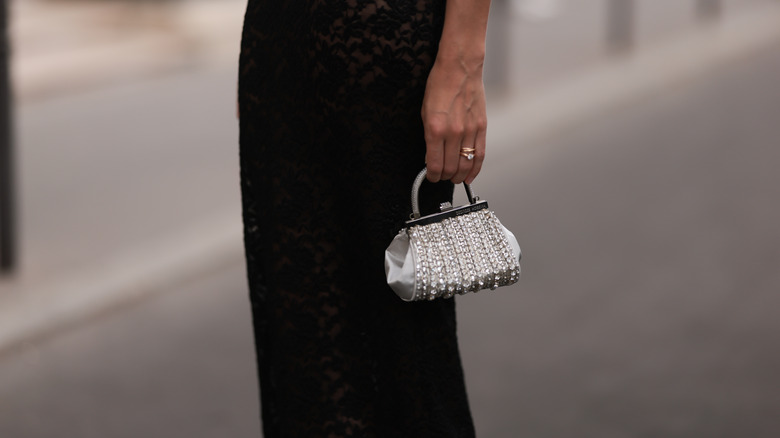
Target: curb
point(34, 312)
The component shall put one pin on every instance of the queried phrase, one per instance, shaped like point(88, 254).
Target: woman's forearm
point(465, 28)
point(453, 111)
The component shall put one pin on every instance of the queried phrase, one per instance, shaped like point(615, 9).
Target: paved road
point(178, 365)
point(648, 306)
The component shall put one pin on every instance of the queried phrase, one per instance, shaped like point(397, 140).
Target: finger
point(463, 170)
point(452, 152)
point(434, 153)
point(434, 159)
point(479, 155)
point(465, 164)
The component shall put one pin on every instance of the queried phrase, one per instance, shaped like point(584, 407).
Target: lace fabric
point(330, 141)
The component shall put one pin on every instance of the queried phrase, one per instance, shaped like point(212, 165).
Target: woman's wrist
point(463, 37)
point(464, 55)
point(468, 54)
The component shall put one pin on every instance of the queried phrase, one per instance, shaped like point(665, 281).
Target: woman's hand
point(454, 117)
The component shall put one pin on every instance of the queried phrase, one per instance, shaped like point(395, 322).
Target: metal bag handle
point(416, 193)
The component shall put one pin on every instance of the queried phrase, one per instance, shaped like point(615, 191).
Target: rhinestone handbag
point(456, 251)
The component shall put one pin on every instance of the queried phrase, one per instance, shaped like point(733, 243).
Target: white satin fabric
point(400, 264)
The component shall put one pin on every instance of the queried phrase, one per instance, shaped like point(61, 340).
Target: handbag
point(455, 251)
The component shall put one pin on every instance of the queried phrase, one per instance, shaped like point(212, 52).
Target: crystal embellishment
point(462, 254)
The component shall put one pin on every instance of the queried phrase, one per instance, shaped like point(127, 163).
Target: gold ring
point(468, 150)
point(467, 155)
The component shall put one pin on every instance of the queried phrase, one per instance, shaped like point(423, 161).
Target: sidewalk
point(99, 237)
point(71, 46)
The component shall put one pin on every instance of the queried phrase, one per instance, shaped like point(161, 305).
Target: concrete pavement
point(647, 307)
point(68, 47)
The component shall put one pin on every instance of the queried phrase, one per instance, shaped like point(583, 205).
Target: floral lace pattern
point(331, 139)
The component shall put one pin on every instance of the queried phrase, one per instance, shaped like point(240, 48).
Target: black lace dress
point(330, 93)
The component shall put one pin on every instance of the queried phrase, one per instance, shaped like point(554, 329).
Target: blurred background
point(632, 148)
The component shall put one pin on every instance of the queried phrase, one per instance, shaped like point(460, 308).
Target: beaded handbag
point(456, 251)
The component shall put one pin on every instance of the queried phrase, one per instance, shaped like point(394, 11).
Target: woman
point(331, 94)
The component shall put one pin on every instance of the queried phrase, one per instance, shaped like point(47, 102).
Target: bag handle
point(416, 193)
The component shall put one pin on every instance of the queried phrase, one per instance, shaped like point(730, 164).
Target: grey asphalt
point(648, 306)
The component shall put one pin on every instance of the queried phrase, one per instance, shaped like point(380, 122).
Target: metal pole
point(709, 9)
point(7, 217)
point(620, 25)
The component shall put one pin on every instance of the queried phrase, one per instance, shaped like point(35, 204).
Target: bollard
point(7, 217)
point(620, 25)
point(709, 9)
